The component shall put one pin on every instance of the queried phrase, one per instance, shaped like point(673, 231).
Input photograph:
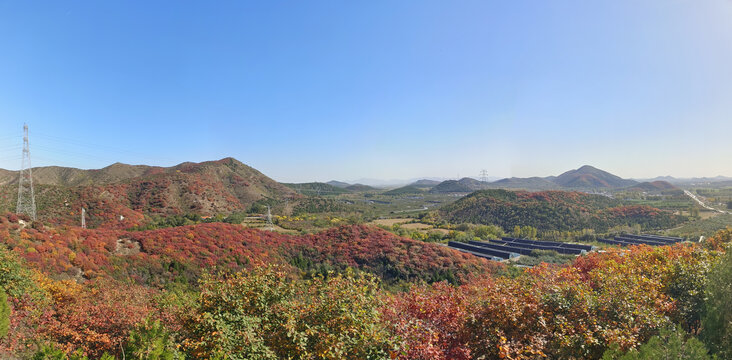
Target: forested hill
point(552, 210)
point(207, 188)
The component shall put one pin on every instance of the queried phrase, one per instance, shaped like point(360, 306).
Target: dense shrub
point(264, 315)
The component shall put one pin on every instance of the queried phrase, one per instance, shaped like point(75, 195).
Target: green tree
point(51, 352)
point(15, 278)
point(686, 285)
point(716, 324)
point(264, 315)
point(528, 232)
point(488, 232)
point(152, 341)
point(516, 231)
point(669, 345)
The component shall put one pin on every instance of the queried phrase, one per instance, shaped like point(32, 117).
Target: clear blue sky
point(320, 90)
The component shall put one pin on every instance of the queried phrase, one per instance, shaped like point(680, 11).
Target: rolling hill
point(653, 186)
point(534, 183)
point(418, 187)
point(425, 183)
point(588, 177)
point(463, 185)
point(317, 188)
point(64, 176)
point(339, 184)
point(406, 190)
point(552, 210)
point(122, 195)
point(360, 187)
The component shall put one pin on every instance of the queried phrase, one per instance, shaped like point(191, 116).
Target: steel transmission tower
point(270, 225)
point(484, 175)
point(26, 197)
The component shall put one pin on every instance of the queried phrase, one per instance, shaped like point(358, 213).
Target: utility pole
point(83, 218)
point(26, 197)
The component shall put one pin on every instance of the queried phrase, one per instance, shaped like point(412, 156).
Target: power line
point(84, 146)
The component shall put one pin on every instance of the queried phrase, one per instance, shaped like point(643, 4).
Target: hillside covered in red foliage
point(120, 196)
point(162, 255)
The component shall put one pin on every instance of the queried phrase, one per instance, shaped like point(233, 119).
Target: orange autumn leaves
point(578, 311)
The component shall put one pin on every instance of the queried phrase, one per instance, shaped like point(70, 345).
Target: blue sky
point(320, 90)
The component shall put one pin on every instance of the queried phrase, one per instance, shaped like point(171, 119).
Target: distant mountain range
point(584, 178)
point(388, 184)
point(695, 180)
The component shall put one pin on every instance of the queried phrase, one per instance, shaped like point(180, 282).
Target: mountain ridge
point(132, 192)
point(585, 177)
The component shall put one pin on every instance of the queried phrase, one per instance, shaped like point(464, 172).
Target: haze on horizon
point(375, 89)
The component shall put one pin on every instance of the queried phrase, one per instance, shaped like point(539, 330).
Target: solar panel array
point(548, 243)
point(492, 254)
point(507, 247)
point(643, 239)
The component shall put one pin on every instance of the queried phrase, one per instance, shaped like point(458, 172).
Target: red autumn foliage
point(430, 321)
point(97, 318)
point(165, 253)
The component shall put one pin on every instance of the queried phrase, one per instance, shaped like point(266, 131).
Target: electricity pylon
point(484, 175)
point(269, 219)
point(26, 197)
